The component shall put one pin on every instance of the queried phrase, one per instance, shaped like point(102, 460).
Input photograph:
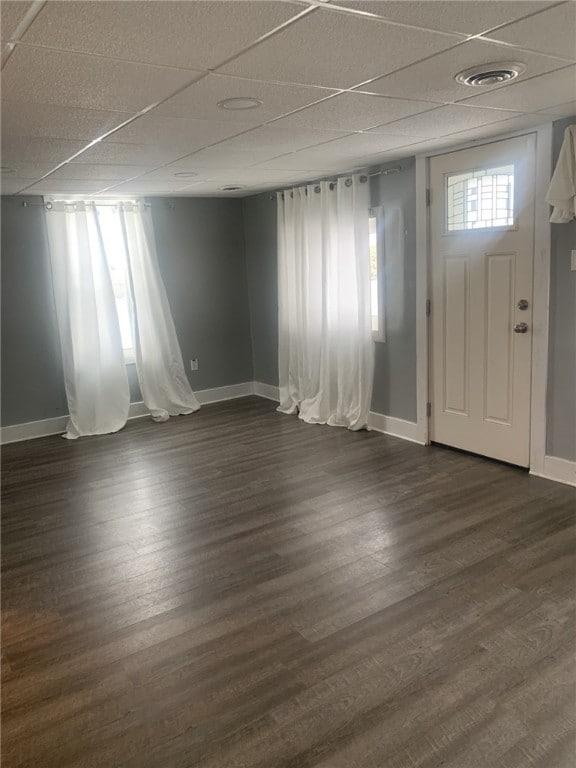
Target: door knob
point(521, 328)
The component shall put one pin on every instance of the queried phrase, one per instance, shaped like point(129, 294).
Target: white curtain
point(326, 351)
point(94, 369)
point(163, 381)
point(85, 239)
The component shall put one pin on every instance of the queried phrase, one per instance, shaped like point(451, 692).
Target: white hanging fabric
point(94, 369)
point(562, 191)
point(326, 351)
point(165, 388)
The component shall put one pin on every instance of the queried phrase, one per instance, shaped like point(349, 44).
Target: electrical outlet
point(194, 364)
point(573, 260)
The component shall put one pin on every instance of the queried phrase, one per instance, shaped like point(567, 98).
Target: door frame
point(540, 291)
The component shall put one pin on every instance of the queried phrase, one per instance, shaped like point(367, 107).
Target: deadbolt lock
point(523, 304)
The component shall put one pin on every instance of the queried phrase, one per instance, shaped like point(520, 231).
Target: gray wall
point(561, 425)
point(32, 380)
point(395, 362)
point(201, 253)
point(262, 267)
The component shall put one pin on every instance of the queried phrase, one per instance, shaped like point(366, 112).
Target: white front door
point(482, 244)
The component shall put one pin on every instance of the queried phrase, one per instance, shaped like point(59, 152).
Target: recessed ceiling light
point(232, 187)
point(490, 74)
point(185, 174)
point(5, 169)
point(240, 102)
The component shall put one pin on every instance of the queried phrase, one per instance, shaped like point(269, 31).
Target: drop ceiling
point(122, 98)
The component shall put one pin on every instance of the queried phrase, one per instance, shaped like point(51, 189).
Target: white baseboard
point(217, 394)
point(137, 411)
point(57, 426)
point(266, 390)
point(32, 429)
point(560, 470)
point(388, 425)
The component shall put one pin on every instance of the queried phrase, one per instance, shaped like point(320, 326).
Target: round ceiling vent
point(232, 187)
point(240, 102)
point(490, 74)
point(185, 174)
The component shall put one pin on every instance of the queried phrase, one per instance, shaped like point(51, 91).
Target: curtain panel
point(87, 240)
point(326, 354)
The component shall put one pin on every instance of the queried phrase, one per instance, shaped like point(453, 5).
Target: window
point(113, 240)
point(480, 199)
point(376, 275)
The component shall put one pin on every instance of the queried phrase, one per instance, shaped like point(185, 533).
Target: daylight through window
point(480, 199)
point(113, 242)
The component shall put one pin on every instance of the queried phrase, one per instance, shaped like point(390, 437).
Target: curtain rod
point(363, 178)
point(48, 206)
point(386, 171)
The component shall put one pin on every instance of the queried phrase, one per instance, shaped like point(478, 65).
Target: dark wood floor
point(237, 588)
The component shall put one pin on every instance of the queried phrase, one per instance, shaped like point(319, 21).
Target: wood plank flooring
point(238, 588)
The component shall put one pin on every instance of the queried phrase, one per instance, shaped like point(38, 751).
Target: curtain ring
point(363, 179)
point(49, 206)
point(292, 195)
point(348, 182)
point(317, 188)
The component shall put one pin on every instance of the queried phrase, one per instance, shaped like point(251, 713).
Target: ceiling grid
point(128, 98)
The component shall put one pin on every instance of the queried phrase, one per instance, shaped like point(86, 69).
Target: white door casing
point(480, 367)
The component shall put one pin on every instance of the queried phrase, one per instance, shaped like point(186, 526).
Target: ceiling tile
point(499, 129)
point(175, 133)
point(219, 156)
point(167, 172)
point(53, 77)
point(212, 189)
point(561, 110)
point(340, 153)
point(536, 94)
point(463, 16)
point(139, 187)
point(28, 171)
point(433, 80)
point(201, 99)
point(304, 161)
point(12, 185)
point(192, 35)
point(225, 176)
point(79, 171)
point(17, 149)
point(353, 112)
point(444, 120)
point(359, 144)
point(552, 32)
point(275, 137)
point(116, 153)
point(336, 50)
point(51, 121)
point(52, 186)
point(11, 14)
